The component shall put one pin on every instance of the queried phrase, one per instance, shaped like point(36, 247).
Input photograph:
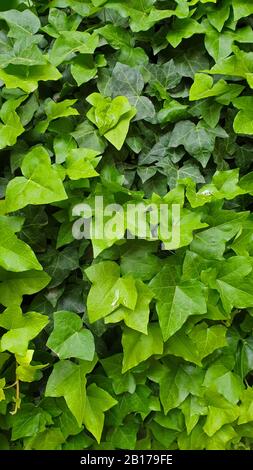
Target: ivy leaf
point(243, 119)
point(242, 8)
point(40, 184)
point(176, 299)
point(50, 439)
point(11, 127)
point(97, 402)
point(81, 163)
point(22, 329)
point(193, 407)
point(71, 42)
point(203, 87)
point(112, 117)
point(199, 140)
point(224, 225)
point(30, 421)
point(2, 385)
point(138, 318)
point(138, 347)
point(109, 291)
point(220, 412)
point(14, 285)
point(225, 382)
point(21, 23)
point(15, 255)
point(233, 280)
point(246, 407)
point(176, 383)
point(68, 380)
point(183, 29)
point(26, 78)
point(128, 81)
point(208, 339)
point(56, 110)
point(70, 339)
point(125, 436)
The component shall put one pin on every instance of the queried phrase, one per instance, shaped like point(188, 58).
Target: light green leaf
point(243, 120)
point(81, 163)
point(193, 407)
point(14, 285)
point(242, 8)
point(40, 184)
point(2, 385)
point(27, 78)
point(183, 29)
point(22, 329)
point(21, 23)
point(220, 412)
point(71, 42)
point(138, 347)
point(56, 110)
point(97, 402)
point(69, 338)
point(225, 382)
point(177, 299)
point(15, 255)
point(138, 318)
point(246, 406)
point(68, 380)
point(109, 291)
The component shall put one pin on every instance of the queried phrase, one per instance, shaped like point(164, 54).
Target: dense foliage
point(110, 344)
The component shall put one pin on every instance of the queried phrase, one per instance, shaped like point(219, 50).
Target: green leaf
point(2, 385)
point(109, 291)
point(97, 402)
point(225, 382)
point(233, 280)
point(112, 117)
point(246, 407)
point(21, 23)
point(176, 299)
point(50, 439)
point(183, 29)
point(68, 380)
point(138, 347)
point(81, 163)
point(11, 128)
point(29, 421)
point(70, 339)
point(220, 412)
point(27, 78)
point(138, 318)
point(56, 110)
point(71, 42)
point(127, 81)
point(15, 255)
point(243, 119)
point(125, 436)
point(198, 140)
point(242, 8)
point(14, 285)
point(193, 407)
point(203, 87)
point(40, 184)
point(22, 329)
point(206, 340)
point(224, 225)
point(176, 383)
